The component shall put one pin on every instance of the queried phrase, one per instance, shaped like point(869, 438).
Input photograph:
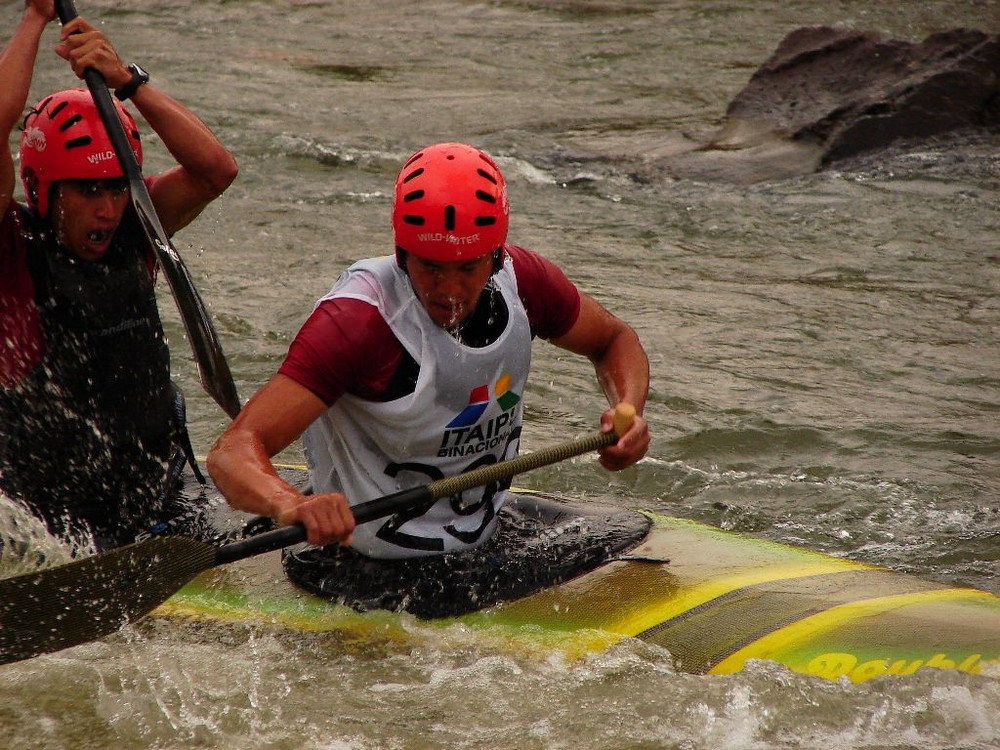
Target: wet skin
point(449, 292)
point(86, 214)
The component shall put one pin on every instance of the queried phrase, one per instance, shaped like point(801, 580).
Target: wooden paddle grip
point(623, 418)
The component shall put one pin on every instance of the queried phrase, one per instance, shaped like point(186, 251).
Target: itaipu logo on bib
point(465, 435)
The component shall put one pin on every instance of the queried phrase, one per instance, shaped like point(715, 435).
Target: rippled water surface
point(824, 351)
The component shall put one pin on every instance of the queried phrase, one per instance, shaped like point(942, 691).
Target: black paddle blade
point(213, 369)
point(81, 601)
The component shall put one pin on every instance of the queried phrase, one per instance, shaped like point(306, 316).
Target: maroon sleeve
point(345, 346)
point(21, 341)
point(551, 300)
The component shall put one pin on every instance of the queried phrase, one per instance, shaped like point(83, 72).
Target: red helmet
point(64, 139)
point(450, 204)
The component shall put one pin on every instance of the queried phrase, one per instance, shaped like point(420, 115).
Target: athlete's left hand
point(85, 46)
point(631, 446)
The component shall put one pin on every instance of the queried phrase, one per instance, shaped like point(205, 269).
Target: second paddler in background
point(89, 418)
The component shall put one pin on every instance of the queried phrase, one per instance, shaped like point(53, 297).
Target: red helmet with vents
point(450, 204)
point(64, 139)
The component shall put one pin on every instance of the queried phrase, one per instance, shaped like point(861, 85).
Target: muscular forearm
point(17, 63)
point(623, 370)
point(242, 470)
point(240, 463)
point(205, 160)
point(204, 167)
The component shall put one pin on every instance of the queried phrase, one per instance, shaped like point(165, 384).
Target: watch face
point(139, 77)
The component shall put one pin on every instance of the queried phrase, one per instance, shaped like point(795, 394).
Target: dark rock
point(827, 94)
point(852, 92)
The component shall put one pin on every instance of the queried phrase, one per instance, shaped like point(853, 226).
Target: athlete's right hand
point(327, 518)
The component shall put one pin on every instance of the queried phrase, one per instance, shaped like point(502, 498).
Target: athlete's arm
point(17, 63)
point(622, 369)
point(240, 463)
point(570, 319)
point(204, 167)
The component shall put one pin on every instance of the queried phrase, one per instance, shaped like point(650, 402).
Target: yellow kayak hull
point(715, 600)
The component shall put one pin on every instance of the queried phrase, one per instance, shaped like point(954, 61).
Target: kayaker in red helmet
point(414, 367)
point(89, 421)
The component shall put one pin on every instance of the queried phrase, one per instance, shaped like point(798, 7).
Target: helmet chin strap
point(30, 186)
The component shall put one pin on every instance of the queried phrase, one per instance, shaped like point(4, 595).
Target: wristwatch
point(139, 77)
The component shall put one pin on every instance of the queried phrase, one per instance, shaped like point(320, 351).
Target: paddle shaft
point(387, 505)
point(212, 366)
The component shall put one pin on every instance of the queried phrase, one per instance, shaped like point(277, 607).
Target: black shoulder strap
point(183, 439)
point(35, 249)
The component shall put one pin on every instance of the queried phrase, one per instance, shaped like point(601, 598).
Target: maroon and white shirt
point(460, 409)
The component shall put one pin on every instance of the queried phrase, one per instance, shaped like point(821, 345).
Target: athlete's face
point(86, 213)
point(449, 292)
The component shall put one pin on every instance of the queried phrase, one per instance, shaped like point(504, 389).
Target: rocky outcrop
point(827, 94)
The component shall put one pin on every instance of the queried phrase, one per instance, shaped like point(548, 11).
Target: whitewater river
point(824, 353)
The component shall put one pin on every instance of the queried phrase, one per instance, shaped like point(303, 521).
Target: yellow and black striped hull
point(714, 599)
point(724, 599)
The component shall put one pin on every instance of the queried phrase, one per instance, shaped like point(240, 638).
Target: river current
point(824, 353)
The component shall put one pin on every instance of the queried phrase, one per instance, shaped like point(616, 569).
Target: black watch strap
point(139, 77)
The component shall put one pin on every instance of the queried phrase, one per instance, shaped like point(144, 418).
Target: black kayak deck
point(541, 541)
